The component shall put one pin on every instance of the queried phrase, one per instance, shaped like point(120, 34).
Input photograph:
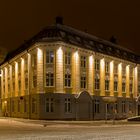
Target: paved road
point(15, 130)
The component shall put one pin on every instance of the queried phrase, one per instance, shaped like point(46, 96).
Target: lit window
point(83, 81)
point(49, 105)
point(97, 106)
point(107, 67)
point(49, 57)
point(67, 58)
point(97, 82)
point(67, 105)
point(67, 80)
point(49, 79)
point(97, 64)
point(83, 61)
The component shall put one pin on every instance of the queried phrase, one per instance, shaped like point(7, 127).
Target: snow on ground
point(14, 130)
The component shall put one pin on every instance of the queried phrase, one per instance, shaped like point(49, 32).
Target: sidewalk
point(80, 123)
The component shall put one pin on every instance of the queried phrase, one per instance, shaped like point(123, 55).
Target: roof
point(60, 32)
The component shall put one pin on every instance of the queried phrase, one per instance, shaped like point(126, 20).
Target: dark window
point(49, 57)
point(49, 105)
point(67, 105)
point(83, 81)
point(97, 106)
point(83, 61)
point(49, 79)
point(67, 80)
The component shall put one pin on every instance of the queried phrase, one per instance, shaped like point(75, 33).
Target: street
point(15, 130)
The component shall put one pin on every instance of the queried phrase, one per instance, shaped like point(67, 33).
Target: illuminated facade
point(62, 73)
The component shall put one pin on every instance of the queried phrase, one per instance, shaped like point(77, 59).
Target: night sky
point(21, 19)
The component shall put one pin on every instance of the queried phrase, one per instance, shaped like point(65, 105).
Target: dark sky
point(21, 19)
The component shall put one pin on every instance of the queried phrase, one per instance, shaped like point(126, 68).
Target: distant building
point(63, 73)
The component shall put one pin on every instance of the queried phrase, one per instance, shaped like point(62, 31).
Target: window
point(34, 81)
point(13, 70)
point(83, 81)
point(18, 105)
point(26, 83)
point(67, 105)
point(115, 84)
point(83, 61)
point(97, 82)
point(116, 108)
point(49, 105)
point(107, 85)
point(123, 70)
point(25, 105)
point(130, 107)
point(107, 67)
point(26, 64)
point(19, 67)
point(33, 105)
point(49, 57)
point(123, 107)
point(49, 79)
point(19, 85)
point(139, 87)
point(115, 68)
point(34, 61)
point(130, 87)
point(13, 106)
point(13, 85)
point(67, 58)
point(97, 64)
point(67, 80)
point(97, 106)
point(123, 85)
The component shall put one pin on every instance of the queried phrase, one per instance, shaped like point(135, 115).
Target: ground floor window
point(18, 106)
point(25, 105)
point(34, 105)
point(97, 106)
point(49, 105)
point(123, 107)
point(67, 105)
point(13, 106)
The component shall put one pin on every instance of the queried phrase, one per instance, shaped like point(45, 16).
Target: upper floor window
point(97, 64)
point(107, 67)
point(83, 81)
point(19, 67)
point(67, 58)
point(97, 82)
point(26, 64)
point(49, 57)
point(115, 68)
point(123, 85)
point(34, 60)
point(124, 70)
point(49, 79)
point(107, 85)
point(130, 86)
point(67, 80)
point(83, 61)
point(115, 84)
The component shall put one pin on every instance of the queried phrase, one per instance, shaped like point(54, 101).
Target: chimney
point(59, 20)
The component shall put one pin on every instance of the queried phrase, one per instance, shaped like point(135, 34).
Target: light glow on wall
point(60, 53)
point(111, 66)
point(120, 68)
point(102, 63)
